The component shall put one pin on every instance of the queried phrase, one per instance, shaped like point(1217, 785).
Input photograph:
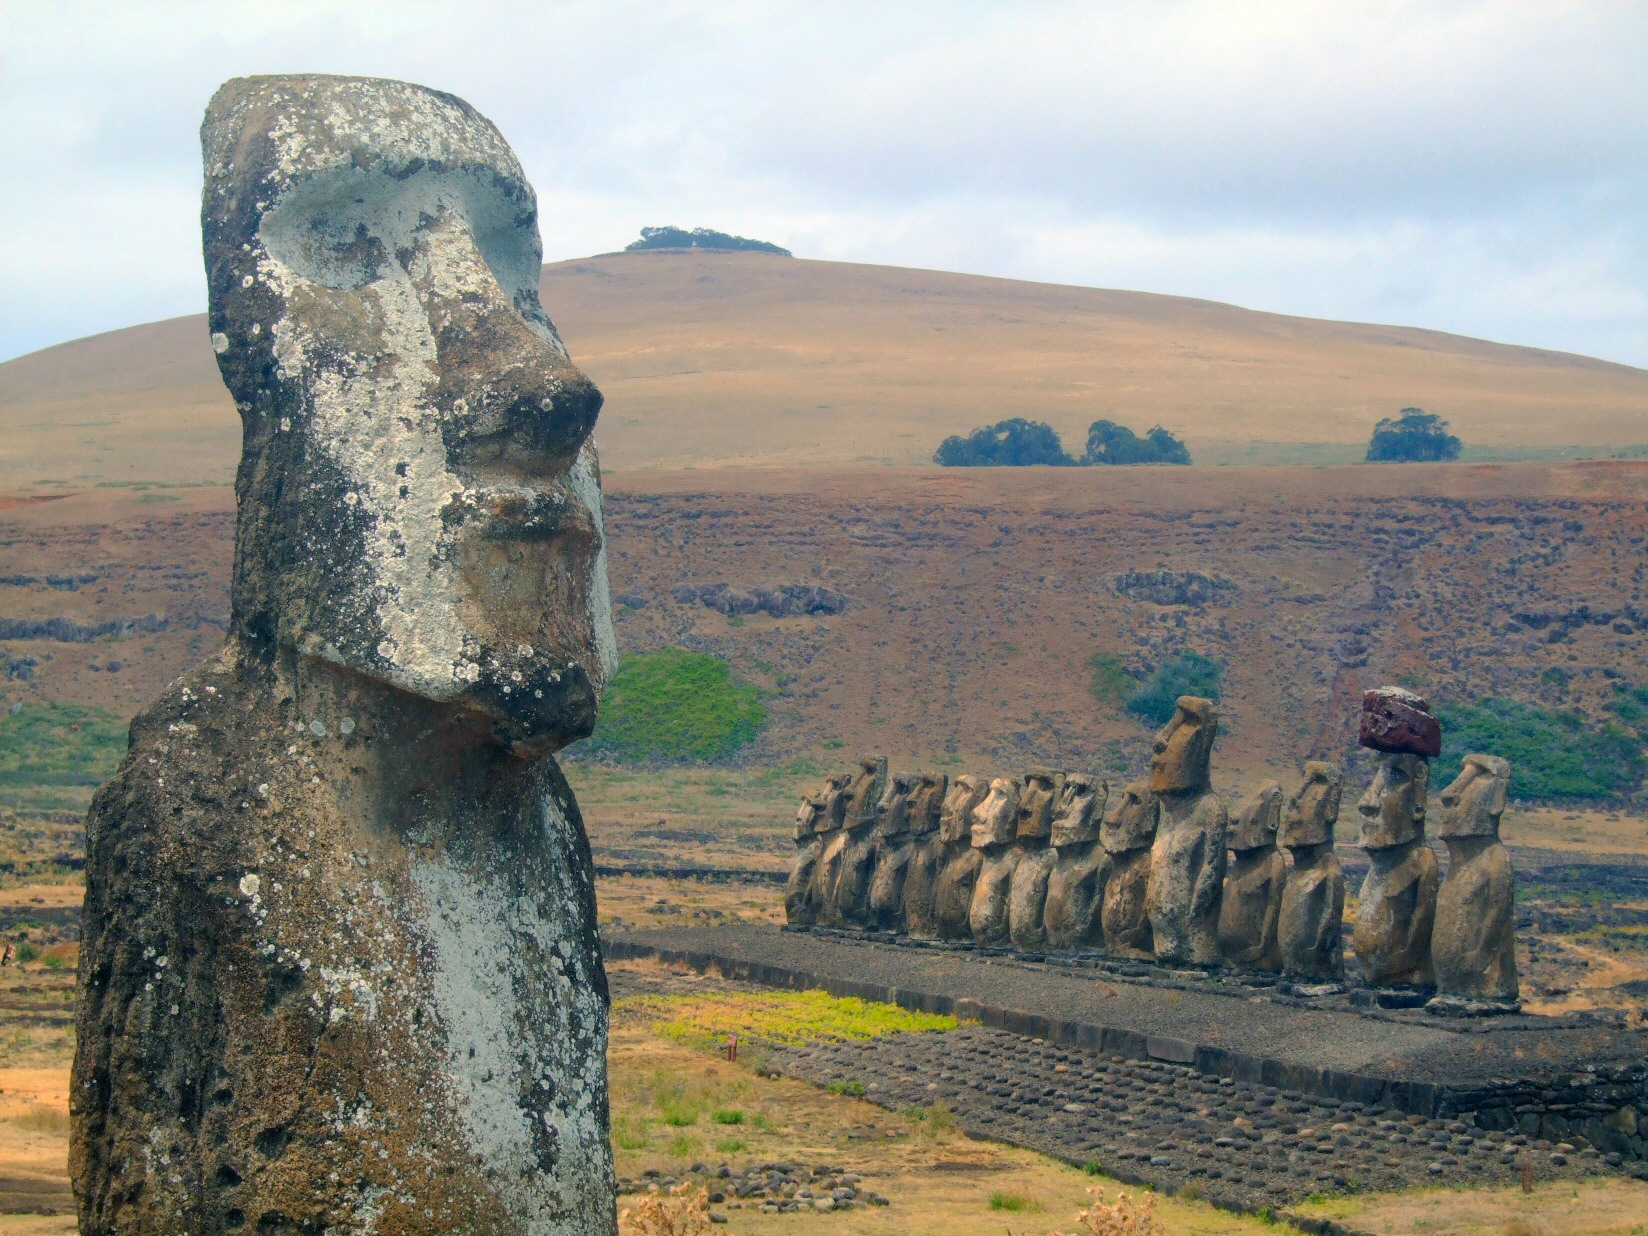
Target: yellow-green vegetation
point(53, 755)
point(774, 1018)
point(1012, 1202)
point(677, 705)
point(1554, 753)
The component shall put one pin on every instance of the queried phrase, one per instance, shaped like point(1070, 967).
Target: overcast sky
point(1478, 168)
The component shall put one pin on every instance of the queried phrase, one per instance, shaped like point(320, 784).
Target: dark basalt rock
point(1398, 722)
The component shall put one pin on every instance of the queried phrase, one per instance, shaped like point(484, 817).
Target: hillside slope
point(712, 359)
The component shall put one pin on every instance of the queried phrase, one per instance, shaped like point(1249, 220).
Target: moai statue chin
point(816, 821)
point(959, 859)
point(1310, 926)
point(920, 911)
point(1187, 862)
point(1127, 836)
point(995, 823)
point(1027, 898)
point(1075, 889)
point(1474, 941)
point(1397, 905)
point(1252, 903)
point(340, 969)
point(893, 849)
point(851, 857)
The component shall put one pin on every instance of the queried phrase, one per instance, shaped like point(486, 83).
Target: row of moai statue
point(1048, 861)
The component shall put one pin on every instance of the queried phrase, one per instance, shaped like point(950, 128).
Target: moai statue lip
point(1183, 747)
point(956, 818)
point(1131, 823)
point(1314, 808)
point(1040, 794)
point(1474, 801)
point(927, 805)
point(1255, 821)
point(1393, 808)
point(373, 245)
point(1080, 809)
point(995, 819)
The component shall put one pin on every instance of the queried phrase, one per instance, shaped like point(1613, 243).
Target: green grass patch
point(1191, 674)
point(1013, 1203)
point(1555, 754)
point(52, 753)
point(1109, 681)
point(729, 1145)
point(677, 705)
point(727, 1115)
point(777, 1018)
point(849, 1086)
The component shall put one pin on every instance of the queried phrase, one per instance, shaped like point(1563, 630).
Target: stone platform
point(1580, 1081)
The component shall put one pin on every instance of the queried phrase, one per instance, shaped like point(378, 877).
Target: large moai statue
point(1252, 903)
point(1027, 898)
point(850, 861)
point(1310, 927)
point(1187, 862)
point(926, 855)
point(1474, 941)
point(893, 848)
point(1075, 889)
point(959, 859)
point(995, 825)
point(1127, 836)
point(1397, 905)
point(817, 820)
point(340, 969)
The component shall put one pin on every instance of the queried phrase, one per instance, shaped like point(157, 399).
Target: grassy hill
point(713, 359)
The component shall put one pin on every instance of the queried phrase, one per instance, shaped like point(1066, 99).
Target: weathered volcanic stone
point(340, 969)
point(1251, 908)
point(1310, 927)
point(818, 818)
point(953, 899)
point(1397, 904)
point(1187, 862)
point(1474, 940)
point(994, 822)
point(1027, 898)
point(920, 911)
point(1075, 889)
point(893, 850)
point(848, 864)
point(1128, 833)
point(1398, 721)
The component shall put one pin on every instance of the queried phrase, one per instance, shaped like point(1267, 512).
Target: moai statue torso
point(1397, 905)
point(995, 822)
point(1474, 941)
point(340, 969)
point(1310, 927)
point(818, 819)
point(1252, 904)
point(1187, 862)
point(1128, 833)
point(926, 855)
point(1075, 889)
point(1027, 898)
point(853, 862)
point(959, 860)
point(893, 849)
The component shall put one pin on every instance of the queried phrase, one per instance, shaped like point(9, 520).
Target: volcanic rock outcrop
point(1187, 861)
point(340, 969)
point(1473, 943)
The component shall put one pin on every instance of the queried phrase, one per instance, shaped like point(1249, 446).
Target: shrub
point(1126, 1216)
point(677, 705)
point(1630, 705)
point(699, 238)
point(1013, 443)
point(1554, 753)
point(1413, 435)
point(1011, 1202)
point(1110, 443)
point(1190, 674)
point(684, 1211)
point(727, 1116)
point(1110, 682)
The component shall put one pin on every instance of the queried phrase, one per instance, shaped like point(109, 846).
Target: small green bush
point(1011, 1202)
point(1110, 682)
point(1190, 674)
point(854, 1088)
point(27, 951)
point(677, 705)
point(726, 1115)
point(1554, 753)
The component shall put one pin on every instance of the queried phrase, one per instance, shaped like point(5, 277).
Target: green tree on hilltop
point(1015, 442)
point(1110, 443)
point(1412, 436)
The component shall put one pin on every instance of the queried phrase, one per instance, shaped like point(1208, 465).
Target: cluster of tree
point(1412, 436)
point(1018, 443)
point(700, 238)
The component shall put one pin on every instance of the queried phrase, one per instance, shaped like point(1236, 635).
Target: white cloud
point(1475, 167)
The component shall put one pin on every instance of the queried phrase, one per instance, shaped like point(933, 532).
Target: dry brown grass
point(1596, 1207)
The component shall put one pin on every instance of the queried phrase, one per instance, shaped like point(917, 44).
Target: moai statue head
point(1080, 809)
point(956, 820)
point(419, 495)
point(1131, 823)
point(837, 790)
point(1183, 747)
point(893, 811)
point(806, 817)
point(869, 784)
point(1314, 808)
point(1255, 820)
point(1393, 809)
point(927, 806)
point(995, 819)
point(1036, 802)
point(1475, 799)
